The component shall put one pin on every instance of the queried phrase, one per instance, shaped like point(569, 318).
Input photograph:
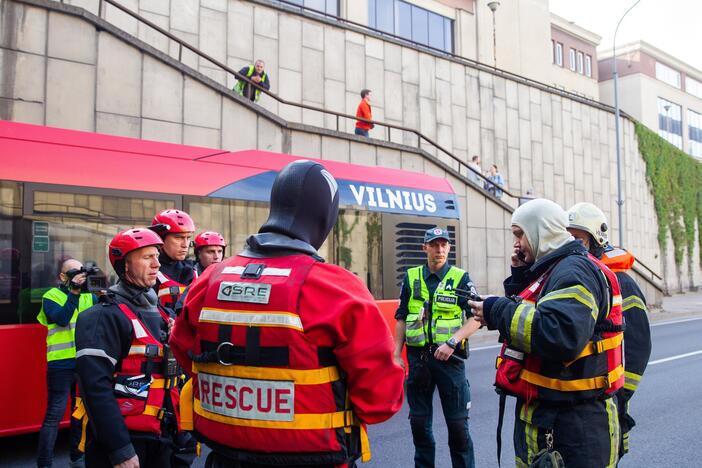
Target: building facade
point(574, 62)
point(661, 91)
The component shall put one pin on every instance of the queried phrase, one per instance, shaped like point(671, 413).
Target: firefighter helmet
point(209, 238)
point(131, 239)
point(175, 220)
point(589, 218)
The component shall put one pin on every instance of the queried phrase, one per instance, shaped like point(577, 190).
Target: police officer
point(589, 224)
point(176, 228)
point(435, 323)
point(290, 356)
point(562, 343)
point(60, 307)
point(127, 381)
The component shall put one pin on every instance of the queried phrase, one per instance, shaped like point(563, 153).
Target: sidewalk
point(674, 307)
point(678, 306)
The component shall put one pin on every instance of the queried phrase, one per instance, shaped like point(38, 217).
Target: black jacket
point(560, 327)
point(103, 338)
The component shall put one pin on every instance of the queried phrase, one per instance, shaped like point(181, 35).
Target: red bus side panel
point(23, 370)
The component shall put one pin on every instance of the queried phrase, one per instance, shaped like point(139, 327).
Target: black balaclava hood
point(304, 203)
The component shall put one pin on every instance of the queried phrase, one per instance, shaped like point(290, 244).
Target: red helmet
point(209, 238)
point(176, 220)
point(132, 239)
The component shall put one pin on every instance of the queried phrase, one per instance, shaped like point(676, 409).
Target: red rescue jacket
point(285, 371)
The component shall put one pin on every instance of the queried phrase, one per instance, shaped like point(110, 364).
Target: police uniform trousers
point(426, 374)
point(586, 434)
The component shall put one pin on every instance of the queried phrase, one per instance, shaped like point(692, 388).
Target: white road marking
point(673, 322)
point(673, 358)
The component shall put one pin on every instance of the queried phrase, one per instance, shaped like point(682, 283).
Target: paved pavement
point(666, 406)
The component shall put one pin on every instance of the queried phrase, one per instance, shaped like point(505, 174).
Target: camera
point(95, 278)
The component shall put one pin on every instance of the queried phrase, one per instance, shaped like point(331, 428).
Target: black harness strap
point(500, 420)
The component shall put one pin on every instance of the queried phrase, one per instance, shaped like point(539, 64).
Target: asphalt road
point(666, 407)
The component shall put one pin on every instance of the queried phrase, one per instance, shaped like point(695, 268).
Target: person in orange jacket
point(289, 356)
point(364, 111)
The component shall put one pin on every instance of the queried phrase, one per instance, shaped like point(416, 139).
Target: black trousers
point(152, 453)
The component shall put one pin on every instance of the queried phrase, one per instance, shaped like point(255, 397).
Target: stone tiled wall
point(102, 82)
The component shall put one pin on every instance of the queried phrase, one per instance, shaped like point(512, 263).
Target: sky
point(674, 26)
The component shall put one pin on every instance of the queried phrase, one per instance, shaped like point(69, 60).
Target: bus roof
point(39, 154)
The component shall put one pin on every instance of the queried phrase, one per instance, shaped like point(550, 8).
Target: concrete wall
point(560, 147)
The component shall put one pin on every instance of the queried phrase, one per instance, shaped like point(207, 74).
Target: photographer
point(60, 307)
point(128, 383)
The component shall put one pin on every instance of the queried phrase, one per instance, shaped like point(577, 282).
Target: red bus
point(67, 193)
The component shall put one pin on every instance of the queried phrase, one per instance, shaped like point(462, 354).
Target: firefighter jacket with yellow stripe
point(637, 335)
point(432, 319)
point(289, 358)
point(60, 337)
point(120, 347)
point(563, 332)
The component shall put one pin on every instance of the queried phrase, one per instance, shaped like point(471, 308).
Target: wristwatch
point(452, 343)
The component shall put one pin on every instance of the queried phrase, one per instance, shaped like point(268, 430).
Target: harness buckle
point(219, 356)
point(253, 271)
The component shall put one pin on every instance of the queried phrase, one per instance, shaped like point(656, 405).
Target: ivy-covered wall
point(676, 182)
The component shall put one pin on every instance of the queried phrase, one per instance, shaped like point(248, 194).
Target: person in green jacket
point(59, 312)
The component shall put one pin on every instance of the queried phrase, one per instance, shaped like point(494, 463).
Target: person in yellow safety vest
point(557, 305)
point(256, 74)
point(435, 322)
point(59, 313)
point(589, 224)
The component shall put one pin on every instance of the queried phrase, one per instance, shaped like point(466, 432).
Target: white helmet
point(587, 217)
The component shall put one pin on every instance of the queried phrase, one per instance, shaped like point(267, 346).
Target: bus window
point(62, 225)
point(234, 219)
point(358, 247)
point(10, 254)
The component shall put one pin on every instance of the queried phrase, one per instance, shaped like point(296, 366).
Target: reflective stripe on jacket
point(60, 341)
point(446, 315)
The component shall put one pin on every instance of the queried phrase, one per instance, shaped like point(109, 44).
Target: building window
point(693, 87)
point(694, 125)
point(412, 23)
point(588, 66)
point(580, 63)
point(668, 75)
point(557, 53)
point(330, 7)
point(572, 59)
point(670, 121)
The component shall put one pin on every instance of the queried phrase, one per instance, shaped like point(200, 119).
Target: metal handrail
point(647, 268)
point(182, 44)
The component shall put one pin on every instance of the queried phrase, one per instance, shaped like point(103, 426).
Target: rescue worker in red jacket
point(127, 377)
point(176, 228)
point(290, 356)
point(550, 330)
point(589, 224)
point(209, 248)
